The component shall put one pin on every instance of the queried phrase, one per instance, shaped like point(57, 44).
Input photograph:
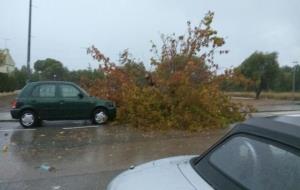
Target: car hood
point(173, 173)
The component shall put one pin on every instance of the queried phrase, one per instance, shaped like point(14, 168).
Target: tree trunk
point(257, 93)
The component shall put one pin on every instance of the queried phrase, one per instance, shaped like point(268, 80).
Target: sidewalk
point(9, 93)
point(6, 117)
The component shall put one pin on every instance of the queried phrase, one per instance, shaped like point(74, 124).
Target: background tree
point(283, 81)
point(20, 77)
point(50, 69)
point(262, 69)
point(85, 74)
point(234, 81)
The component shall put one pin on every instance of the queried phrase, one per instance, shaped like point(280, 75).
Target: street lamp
point(29, 40)
point(294, 78)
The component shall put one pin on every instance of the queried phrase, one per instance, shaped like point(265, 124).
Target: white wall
point(9, 64)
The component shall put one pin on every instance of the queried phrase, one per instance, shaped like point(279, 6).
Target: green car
point(57, 100)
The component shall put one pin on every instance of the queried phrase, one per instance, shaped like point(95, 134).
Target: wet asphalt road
point(85, 156)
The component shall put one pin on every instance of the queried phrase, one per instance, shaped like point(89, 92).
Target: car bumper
point(15, 113)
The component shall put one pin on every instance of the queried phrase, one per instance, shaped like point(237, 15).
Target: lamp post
point(29, 40)
point(294, 78)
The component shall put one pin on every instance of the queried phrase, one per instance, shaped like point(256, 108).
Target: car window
point(69, 91)
point(44, 91)
point(258, 165)
point(84, 91)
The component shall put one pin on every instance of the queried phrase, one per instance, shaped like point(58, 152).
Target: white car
point(259, 154)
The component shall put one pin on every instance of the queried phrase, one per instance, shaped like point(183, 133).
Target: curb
point(8, 120)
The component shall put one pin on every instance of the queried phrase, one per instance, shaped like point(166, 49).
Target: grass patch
point(267, 95)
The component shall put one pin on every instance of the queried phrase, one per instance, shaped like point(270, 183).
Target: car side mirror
point(80, 95)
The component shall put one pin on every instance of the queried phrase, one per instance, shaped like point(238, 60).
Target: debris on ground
point(46, 167)
point(5, 134)
point(42, 135)
point(62, 132)
point(4, 148)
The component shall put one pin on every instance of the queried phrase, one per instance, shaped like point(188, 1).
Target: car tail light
point(14, 104)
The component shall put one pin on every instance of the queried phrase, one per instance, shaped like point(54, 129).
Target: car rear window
point(257, 164)
point(44, 91)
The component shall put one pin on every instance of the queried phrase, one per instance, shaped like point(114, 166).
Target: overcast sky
point(61, 29)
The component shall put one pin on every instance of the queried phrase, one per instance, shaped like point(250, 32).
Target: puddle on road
point(105, 148)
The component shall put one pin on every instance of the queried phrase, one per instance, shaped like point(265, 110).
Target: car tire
point(28, 119)
point(100, 116)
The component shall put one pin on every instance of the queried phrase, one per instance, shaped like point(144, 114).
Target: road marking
point(9, 130)
point(69, 128)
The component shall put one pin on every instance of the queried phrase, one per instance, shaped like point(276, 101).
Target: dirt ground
point(262, 102)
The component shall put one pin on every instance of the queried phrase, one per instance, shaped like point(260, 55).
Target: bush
point(13, 81)
point(182, 92)
point(8, 83)
point(195, 109)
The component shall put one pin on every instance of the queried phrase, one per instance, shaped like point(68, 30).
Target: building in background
point(7, 64)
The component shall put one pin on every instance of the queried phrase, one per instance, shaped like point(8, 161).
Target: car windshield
point(257, 164)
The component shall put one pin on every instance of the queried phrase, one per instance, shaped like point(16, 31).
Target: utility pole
point(29, 40)
point(294, 78)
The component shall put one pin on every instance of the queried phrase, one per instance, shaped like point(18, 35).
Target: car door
point(74, 104)
point(45, 101)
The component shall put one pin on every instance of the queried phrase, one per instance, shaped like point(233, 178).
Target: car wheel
point(100, 116)
point(28, 119)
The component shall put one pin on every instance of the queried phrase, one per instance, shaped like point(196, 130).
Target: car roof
point(277, 129)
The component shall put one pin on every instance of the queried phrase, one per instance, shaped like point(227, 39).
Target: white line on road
point(9, 130)
point(69, 128)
